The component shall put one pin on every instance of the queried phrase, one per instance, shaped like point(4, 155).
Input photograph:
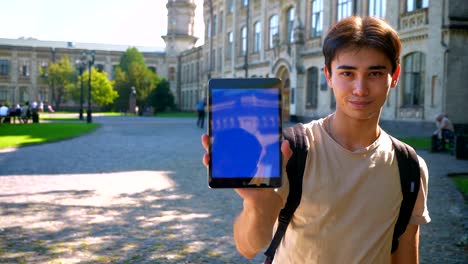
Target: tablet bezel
point(244, 83)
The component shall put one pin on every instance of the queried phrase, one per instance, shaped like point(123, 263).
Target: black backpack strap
point(296, 136)
point(408, 166)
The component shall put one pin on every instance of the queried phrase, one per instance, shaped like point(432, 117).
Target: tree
point(161, 98)
point(102, 91)
point(60, 77)
point(133, 72)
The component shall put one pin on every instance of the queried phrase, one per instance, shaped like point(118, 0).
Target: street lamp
point(90, 64)
point(81, 64)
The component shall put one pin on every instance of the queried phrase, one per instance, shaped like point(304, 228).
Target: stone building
point(278, 38)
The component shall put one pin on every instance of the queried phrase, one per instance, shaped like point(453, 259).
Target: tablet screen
point(245, 131)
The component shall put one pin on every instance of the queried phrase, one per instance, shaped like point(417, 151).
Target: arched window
point(257, 36)
point(290, 23)
point(273, 30)
point(414, 75)
point(312, 87)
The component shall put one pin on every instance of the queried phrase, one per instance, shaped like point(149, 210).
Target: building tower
point(180, 23)
point(179, 37)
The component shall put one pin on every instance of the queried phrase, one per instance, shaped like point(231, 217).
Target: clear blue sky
point(125, 22)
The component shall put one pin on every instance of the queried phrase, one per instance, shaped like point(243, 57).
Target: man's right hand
point(253, 228)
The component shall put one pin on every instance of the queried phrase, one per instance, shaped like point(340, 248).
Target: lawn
point(176, 114)
point(25, 134)
point(461, 181)
point(419, 143)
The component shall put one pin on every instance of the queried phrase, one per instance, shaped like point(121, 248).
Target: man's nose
point(360, 87)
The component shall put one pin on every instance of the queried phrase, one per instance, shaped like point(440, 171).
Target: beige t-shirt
point(350, 203)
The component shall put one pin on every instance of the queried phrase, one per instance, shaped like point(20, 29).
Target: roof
point(32, 42)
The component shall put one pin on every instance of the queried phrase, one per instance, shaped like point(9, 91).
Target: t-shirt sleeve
point(420, 213)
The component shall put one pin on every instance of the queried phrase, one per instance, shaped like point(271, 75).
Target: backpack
point(408, 166)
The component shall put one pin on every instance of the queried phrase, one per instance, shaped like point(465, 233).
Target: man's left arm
point(408, 248)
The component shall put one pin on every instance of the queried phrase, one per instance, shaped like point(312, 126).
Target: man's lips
point(357, 103)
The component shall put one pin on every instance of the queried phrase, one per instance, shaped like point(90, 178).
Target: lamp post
point(90, 64)
point(81, 64)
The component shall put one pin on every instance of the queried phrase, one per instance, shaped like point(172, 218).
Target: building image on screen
point(245, 125)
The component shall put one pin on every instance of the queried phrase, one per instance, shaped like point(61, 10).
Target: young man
point(351, 186)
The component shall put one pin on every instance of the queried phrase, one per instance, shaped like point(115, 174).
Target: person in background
point(201, 113)
point(25, 112)
point(444, 133)
point(4, 112)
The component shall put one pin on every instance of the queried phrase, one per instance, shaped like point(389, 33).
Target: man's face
point(361, 79)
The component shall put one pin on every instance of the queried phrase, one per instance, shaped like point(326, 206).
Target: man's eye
point(376, 74)
point(347, 74)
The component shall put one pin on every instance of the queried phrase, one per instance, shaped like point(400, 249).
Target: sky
point(121, 22)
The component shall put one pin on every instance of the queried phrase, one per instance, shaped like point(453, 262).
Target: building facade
point(21, 60)
point(278, 38)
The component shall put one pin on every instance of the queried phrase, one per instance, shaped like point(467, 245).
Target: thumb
point(286, 151)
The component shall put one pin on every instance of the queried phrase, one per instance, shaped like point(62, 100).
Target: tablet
point(245, 130)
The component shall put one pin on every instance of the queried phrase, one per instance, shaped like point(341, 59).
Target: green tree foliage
point(60, 77)
point(102, 91)
point(133, 72)
point(161, 98)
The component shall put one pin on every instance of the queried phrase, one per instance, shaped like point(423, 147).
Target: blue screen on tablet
point(245, 129)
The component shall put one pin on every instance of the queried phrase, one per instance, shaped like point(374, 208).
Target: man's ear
point(327, 76)
point(395, 77)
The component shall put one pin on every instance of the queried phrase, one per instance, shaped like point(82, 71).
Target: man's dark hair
point(357, 32)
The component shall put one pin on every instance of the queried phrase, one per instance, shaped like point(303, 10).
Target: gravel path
point(135, 191)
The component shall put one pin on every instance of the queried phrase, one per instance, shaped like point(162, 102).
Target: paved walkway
point(135, 191)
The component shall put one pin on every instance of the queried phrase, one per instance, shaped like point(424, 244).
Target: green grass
point(421, 143)
point(176, 114)
point(461, 181)
point(25, 134)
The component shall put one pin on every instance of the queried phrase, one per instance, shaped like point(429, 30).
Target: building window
point(290, 23)
point(172, 74)
point(273, 30)
point(257, 36)
point(323, 81)
point(221, 22)
point(24, 72)
point(208, 29)
point(23, 94)
point(4, 67)
point(377, 8)
point(231, 6)
point(214, 26)
point(229, 46)
point(316, 21)
point(220, 59)
point(43, 95)
point(345, 9)
point(312, 87)
point(243, 40)
point(3, 95)
point(213, 60)
point(412, 5)
point(152, 68)
point(414, 74)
